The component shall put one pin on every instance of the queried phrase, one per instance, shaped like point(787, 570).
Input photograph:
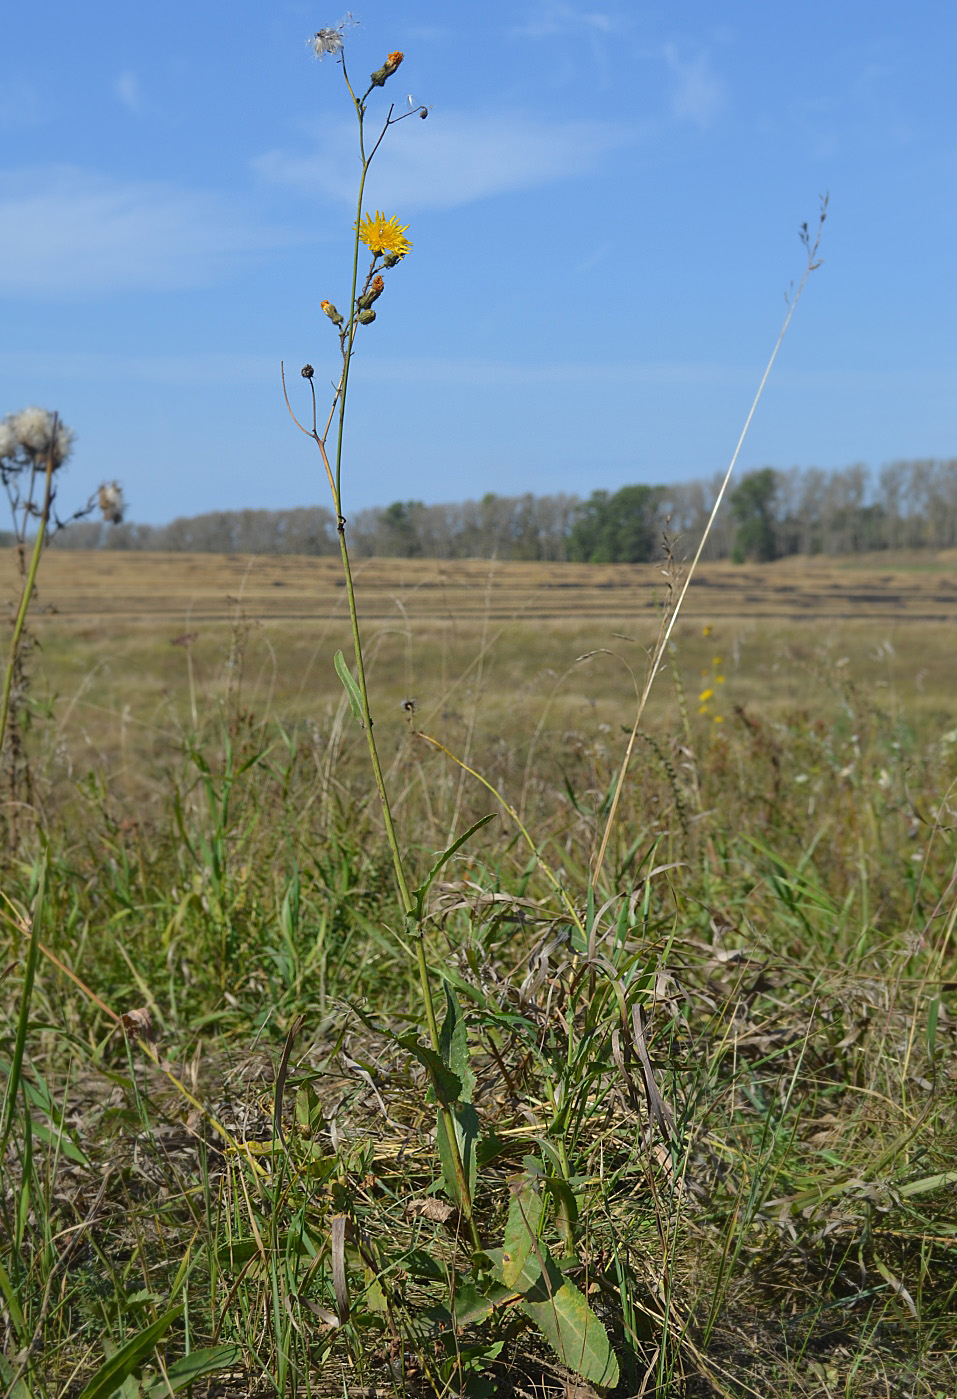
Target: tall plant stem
point(334, 476)
point(408, 906)
point(27, 593)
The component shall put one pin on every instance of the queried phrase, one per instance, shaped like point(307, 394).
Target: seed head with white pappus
point(8, 441)
point(330, 40)
point(34, 436)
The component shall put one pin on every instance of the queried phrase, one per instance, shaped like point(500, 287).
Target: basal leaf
point(521, 1229)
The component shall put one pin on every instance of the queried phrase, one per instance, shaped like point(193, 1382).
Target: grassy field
point(710, 1096)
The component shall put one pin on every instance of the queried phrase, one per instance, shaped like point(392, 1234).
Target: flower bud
point(390, 259)
point(331, 312)
point(307, 371)
point(366, 317)
point(372, 293)
point(377, 79)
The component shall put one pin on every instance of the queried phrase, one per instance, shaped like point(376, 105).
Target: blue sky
point(603, 202)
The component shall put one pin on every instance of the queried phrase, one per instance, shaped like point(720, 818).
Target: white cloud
point(65, 231)
point(452, 160)
point(698, 94)
point(127, 89)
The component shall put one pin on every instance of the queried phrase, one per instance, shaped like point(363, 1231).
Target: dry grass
point(191, 588)
point(779, 905)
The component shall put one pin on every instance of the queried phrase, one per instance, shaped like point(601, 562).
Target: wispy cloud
point(556, 17)
point(698, 94)
point(69, 232)
point(127, 89)
point(453, 161)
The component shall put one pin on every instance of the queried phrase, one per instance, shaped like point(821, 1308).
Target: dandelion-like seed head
point(33, 429)
point(383, 236)
point(330, 40)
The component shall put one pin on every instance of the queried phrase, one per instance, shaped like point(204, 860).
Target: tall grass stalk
point(661, 646)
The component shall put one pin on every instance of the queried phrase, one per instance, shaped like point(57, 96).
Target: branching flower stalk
point(386, 241)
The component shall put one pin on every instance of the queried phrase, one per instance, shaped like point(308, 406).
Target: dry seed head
point(330, 40)
point(33, 429)
point(111, 502)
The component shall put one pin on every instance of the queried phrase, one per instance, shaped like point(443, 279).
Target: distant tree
point(752, 506)
point(619, 528)
point(400, 535)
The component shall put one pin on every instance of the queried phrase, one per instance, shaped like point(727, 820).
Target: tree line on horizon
point(769, 514)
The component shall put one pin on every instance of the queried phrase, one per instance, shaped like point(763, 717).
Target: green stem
point(408, 905)
point(25, 597)
point(404, 894)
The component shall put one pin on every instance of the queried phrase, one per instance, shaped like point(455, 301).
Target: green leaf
point(13, 1389)
point(472, 1305)
point(521, 1229)
point(419, 894)
point(454, 1045)
point(351, 686)
point(565, 1319)
point(466, 1123)
point(566, 1208)
point(16, 1314)
point(446, 1084)
point(124, 1361)
point(195, 1366)
point(926, 1183)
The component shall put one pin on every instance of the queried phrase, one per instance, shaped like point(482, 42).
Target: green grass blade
point(211, 1360)
point(124, 1361)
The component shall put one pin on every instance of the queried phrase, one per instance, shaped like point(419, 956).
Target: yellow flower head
point(382, 235)
point(706, 695)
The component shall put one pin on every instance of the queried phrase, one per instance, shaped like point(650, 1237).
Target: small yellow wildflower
point(719, 718)
point(705, 631)
point(382, 235)
point(706, 695)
